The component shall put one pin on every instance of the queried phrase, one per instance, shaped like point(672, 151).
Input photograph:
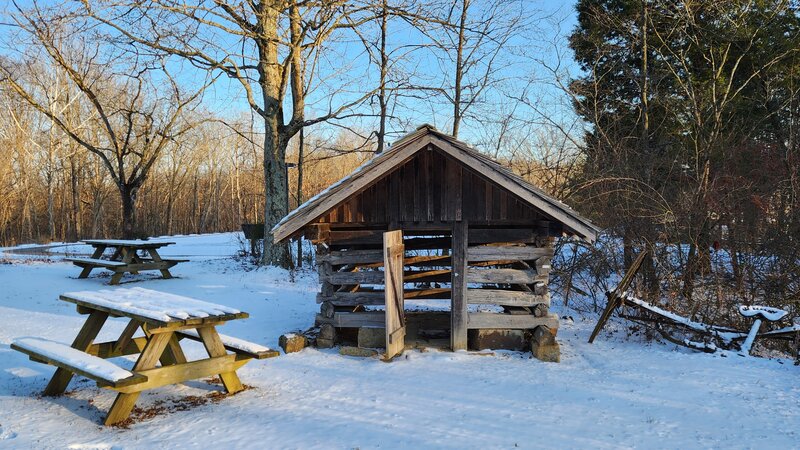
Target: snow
point(131, 242)
point(619, 392)
point(151, 304)
point(98, 261)
point(73, 358)
point(234, 342)
point(726, 336)
point(767, 312)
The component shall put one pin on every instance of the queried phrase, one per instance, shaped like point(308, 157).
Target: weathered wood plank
point(163, 376)
point(507, 252)
point(215, 348)
point(112, 349)
point(395, 310)
point(459, 299)
point(123, 404)
point(504, 276)
point(377, 277)
point(439, 320)
point(511, 321)
point(506, 298)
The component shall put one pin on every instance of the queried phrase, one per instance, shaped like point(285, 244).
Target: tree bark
point(459, 67)
point(382, 88)
point(128, 198)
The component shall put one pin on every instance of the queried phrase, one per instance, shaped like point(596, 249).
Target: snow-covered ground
point(612, 394)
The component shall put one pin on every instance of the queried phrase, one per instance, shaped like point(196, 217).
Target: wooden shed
point(432, 238)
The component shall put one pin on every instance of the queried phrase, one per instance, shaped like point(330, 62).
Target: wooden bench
point(105, 373)
point(95, 262)
point(164, 319)
point(128, 256)
point(236, 345)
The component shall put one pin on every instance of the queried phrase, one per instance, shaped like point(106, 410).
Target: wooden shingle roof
point(402, 151)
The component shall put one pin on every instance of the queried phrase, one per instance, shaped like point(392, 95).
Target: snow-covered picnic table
point(165, 319)
point(125, 258)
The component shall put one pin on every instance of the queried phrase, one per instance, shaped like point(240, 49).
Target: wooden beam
point(615, 297)
point(163, 376)
point(458, 302)
point(507, 252)
point(511, 321)
point(506, 298)
point(375, 237)
point(504, 276)
point(395, 309)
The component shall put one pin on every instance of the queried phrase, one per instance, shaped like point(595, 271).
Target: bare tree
point(471, 40)
point(134, 122)
point(263, 46)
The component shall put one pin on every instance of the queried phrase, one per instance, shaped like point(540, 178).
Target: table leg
point(157, 258)
point(214, 347)
point(126, 335)
point(134, 259)
point(98, 252)
point(126, 258)
point(173, 353)
point(123, 404)
point(58, 384)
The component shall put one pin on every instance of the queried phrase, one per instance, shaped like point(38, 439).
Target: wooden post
point(123, 404)
point(458, 301)
point(393, 252)
point(615, 298)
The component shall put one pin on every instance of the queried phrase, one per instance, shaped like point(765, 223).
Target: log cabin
point(433, 241)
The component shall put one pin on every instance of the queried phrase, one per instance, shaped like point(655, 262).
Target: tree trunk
point(382, 91)
point(276, 187)
point(128, 198)
point(459, 67)
point(76, 200)
point(300, 157)
point(276, 192)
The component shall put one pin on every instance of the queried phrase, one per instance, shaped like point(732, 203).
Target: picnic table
point(165, 320)
point(128, 256)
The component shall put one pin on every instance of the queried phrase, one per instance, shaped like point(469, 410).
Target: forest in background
point(672, 125)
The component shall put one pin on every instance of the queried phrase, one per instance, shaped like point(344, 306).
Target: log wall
point(507, 268)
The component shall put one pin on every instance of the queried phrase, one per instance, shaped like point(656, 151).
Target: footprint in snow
point(5, 435)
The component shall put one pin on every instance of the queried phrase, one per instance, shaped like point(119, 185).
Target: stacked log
point(507, 268)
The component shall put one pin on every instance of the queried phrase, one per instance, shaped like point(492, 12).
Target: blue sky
point(541, 44)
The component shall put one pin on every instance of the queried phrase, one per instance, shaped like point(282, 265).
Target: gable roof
point(403, 150)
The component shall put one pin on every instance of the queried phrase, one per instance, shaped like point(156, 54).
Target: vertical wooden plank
point(444, 192)
point(409, 185)
point(123, 404)
point(458, 301)
point(393, 203)
point(432, 186)
point(419, 186)
point(458, 189)
point(503, 205)
point(488, 206)
point(215, 348)
point(393, 270)
point(497, 200)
